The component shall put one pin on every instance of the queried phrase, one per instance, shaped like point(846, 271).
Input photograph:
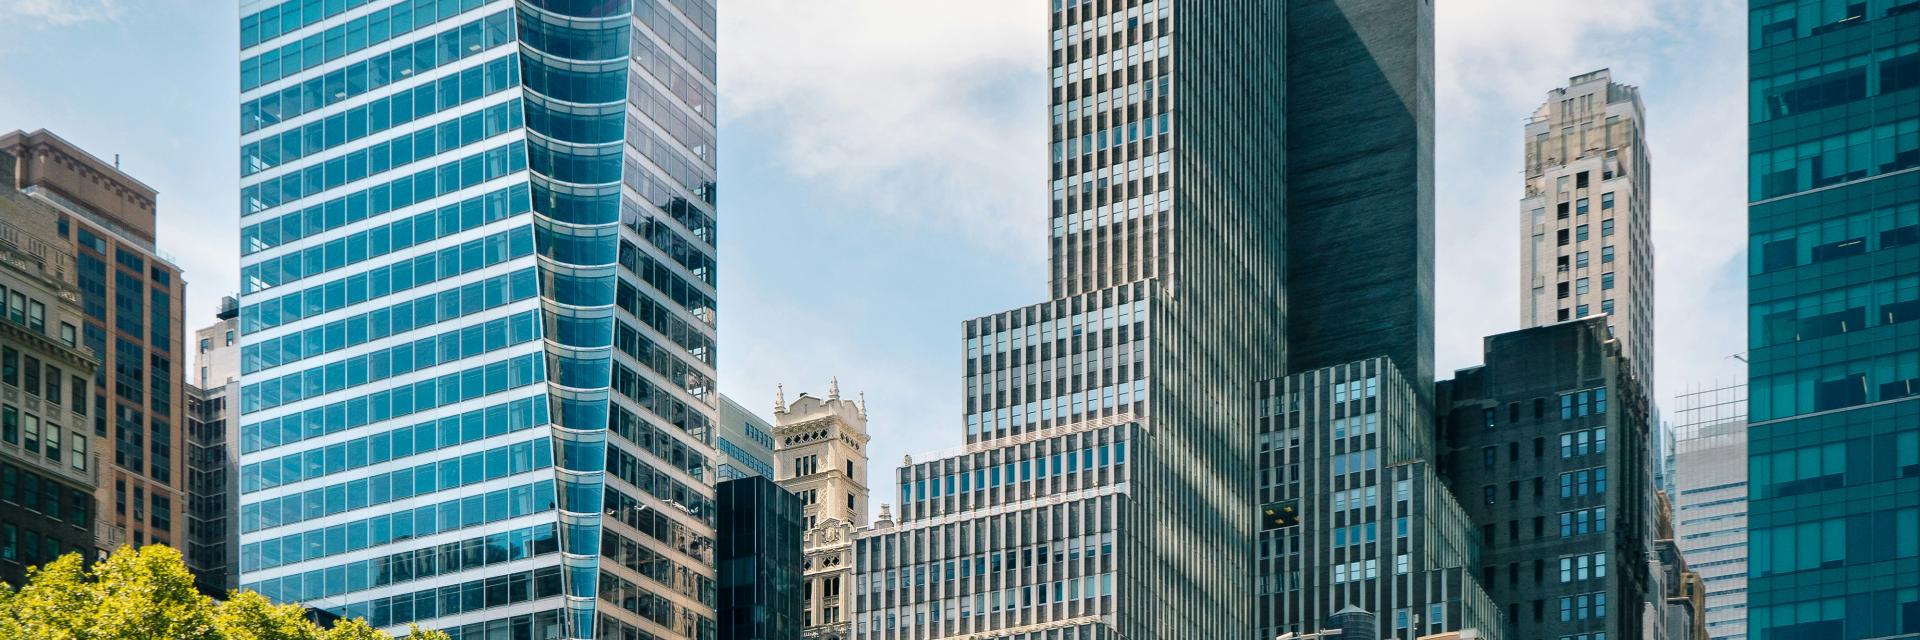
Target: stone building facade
point(820, 454)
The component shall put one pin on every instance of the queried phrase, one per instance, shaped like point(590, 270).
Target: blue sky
point(883, 171)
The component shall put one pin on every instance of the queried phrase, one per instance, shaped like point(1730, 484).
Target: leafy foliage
point(148, 593)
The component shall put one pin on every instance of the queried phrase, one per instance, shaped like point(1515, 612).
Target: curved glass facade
point(505, 209)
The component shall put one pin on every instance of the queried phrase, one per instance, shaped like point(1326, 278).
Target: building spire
point(863, 405)
point(833, 388)
point(779, 398)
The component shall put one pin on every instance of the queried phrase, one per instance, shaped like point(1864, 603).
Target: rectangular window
point(30, 434)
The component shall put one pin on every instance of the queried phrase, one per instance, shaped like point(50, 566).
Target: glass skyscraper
point(477, 313)
point(1105, 487)
point(1833, 297)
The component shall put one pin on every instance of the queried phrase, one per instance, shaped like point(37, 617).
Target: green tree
point(148, 593)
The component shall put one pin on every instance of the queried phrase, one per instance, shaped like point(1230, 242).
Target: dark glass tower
point(1106, 484)
point(759, 560)
point(477, 313)
point(1359, 96)
point(1834, 333)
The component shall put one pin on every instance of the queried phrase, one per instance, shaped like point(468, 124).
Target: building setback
point(1709, 462)
point(132, 297)
point(213, 540)
point(1586, 241)
point(1107, 466)
point(1353, 516)
point(49, 460)
point(1833, 295)
point(477, 314)
point(759, 560)
point(1547, 445)
point(1167, 252)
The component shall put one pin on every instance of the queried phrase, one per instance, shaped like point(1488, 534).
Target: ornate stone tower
point(820, 454)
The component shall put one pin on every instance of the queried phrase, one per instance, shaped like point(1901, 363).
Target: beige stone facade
point(820, 454)
point(1585, 243)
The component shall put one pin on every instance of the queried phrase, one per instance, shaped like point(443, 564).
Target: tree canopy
point(148, 593)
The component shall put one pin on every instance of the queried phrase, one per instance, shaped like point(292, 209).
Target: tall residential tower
point(1833, 300)
point(477, 313)
point(1585, 240)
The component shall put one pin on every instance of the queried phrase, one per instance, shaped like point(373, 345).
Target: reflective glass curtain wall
point(477, 318)
point(1833, 296)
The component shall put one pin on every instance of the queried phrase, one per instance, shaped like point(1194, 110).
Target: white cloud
point(928, 113)
point(931, 115)
point(59, 13)
point(1495, 63)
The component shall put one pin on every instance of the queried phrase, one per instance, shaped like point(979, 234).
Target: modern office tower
point(1547, 446)
point(1166, 274)
point(1833, 296)
point(1359, 104)
point(745, 441)
point(1168, 278)
point(49, 465)
point(1353, 518)
point(132, 296)
point(1709, 462)
point(1585, 241)
point(759, 560)
point(477, 313)
point(213, 549)
point(820, 454)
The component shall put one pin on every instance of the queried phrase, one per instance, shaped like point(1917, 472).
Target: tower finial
point(833, 388)
point(863, 405)
point(779, 398)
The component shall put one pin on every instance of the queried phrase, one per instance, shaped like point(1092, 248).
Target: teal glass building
point(1834, 295)
point(477, 313)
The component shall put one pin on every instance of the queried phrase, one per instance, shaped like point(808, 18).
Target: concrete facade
point(1586, 244)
